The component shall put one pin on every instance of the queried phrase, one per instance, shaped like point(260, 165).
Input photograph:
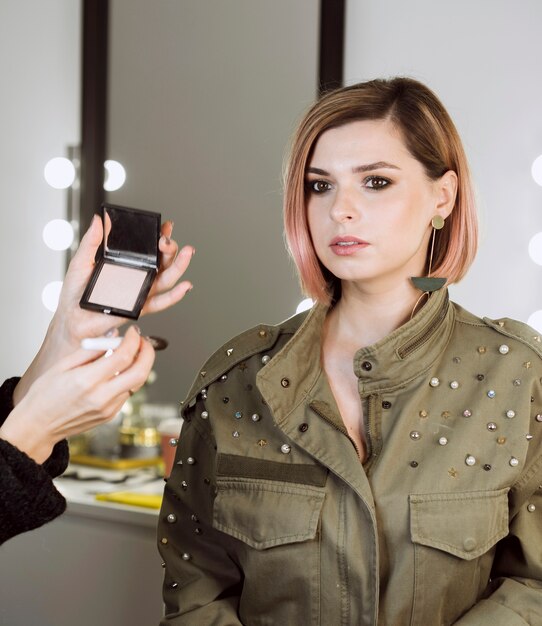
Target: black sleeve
point(28, 497)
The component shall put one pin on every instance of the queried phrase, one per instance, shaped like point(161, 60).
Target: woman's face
point(370, 204)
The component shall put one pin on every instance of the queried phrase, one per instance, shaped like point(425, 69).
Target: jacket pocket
point(277, 525)
point(264, 514)
point(454, 537)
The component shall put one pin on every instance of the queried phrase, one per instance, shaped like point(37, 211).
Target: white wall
point(39, 116)
point(483, 60)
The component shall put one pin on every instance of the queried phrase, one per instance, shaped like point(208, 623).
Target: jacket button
point(285, 382)
point(304, 428)
point(386, 404)
point(367, 366)
point(469, 544)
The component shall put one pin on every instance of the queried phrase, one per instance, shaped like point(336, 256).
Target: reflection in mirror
point(199, 117)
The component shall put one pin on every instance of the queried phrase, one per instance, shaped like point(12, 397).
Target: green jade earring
point(428, 284)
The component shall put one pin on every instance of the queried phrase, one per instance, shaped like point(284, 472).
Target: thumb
point(84, 257)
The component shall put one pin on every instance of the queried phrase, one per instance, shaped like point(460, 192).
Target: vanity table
point(97, 564)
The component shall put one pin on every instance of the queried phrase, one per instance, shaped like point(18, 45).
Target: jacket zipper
point(336, 427)
point(426, 334)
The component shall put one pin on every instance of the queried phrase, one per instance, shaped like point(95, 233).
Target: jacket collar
point(290, 377)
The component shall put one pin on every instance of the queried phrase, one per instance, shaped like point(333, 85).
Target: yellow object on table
point(147, 500)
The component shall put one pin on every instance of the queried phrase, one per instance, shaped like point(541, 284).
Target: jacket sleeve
point(514, 596)
point(202, 581)
point(28, 497)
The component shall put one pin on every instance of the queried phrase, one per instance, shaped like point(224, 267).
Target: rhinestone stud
point(191, 460)
point(510, 414)
point(538, 418)
point(236, 434)
point(171, 518)
point(186, 557)
point(255, 417)
point(415, 435)
point(434, 382)
point(266, 358)
point(467, 413)
point(491, 426)
point(504, 349)
point(491, 393)
point(285, 448)
point(454, 384)
point(531, 508)
point(514, 462)
point(443, 441)
point(470, 460)
point(204, 415)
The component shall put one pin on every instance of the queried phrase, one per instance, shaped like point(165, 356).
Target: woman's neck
point(363, 317)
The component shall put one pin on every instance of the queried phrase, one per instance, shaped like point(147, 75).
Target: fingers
point(135, 376)
point(168, 276)
point(162, 301)
point(168, 250)
point(106, 368)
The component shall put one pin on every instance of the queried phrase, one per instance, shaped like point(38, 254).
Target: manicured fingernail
point(190, 288)
point(110, 332)
point(137, 329)
point(193, 251)
point(172, 224)
point(168, 240)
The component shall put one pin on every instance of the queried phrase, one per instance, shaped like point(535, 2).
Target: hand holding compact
point(81, 391)
point(71, 323)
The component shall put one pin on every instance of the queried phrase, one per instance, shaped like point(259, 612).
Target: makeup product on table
point(126, 262)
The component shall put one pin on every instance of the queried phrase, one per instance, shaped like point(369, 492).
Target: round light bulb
point(51, 294)
point(535, 320)
point(304, 305)
point(59, 173)
point(535, 248)
point(115, 175)
point(536, 170)
point(58, 235)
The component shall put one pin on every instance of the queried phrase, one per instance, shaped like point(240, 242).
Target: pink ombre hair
point(432, 139)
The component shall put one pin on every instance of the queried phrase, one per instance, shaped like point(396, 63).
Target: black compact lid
point(131, 235)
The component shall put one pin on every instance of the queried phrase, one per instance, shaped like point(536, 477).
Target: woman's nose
point(344, 207)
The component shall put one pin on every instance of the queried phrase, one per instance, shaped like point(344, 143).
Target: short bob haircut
point(430, 136)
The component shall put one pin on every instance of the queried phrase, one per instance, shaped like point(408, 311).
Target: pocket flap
point(263, 514)
point(463, 524)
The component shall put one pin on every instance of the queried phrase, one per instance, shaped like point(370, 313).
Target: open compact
point(126, 262)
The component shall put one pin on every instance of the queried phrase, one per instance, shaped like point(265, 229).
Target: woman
point(68, 390)
point(379, 459)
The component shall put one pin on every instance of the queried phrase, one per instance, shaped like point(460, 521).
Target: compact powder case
point(126, 262)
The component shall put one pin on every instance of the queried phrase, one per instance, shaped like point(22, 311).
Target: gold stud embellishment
point(527, 365)
point(452, 472)
point(482, 349)
point(423, 413)
point(262, 443)
point(229, 351)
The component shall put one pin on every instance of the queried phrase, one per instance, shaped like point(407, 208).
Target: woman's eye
point(376, 182)
point(318, 186)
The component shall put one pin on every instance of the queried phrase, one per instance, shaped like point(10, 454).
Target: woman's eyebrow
point(374, 166)
point(359, 168)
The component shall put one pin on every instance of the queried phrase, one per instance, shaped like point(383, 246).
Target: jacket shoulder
point(260, 338)
point(506, 327)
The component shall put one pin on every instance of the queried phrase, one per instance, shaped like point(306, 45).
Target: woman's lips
point(345, 246)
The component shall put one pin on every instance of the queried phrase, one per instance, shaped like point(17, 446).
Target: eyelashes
point(319, 187)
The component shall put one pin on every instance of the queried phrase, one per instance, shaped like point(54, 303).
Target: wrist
point(25, 438)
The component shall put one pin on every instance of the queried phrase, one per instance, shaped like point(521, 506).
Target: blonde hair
point(429, 135)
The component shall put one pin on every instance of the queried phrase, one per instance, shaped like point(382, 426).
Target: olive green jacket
point(270, 518)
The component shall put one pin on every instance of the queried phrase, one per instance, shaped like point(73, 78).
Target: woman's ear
point(446, 188)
